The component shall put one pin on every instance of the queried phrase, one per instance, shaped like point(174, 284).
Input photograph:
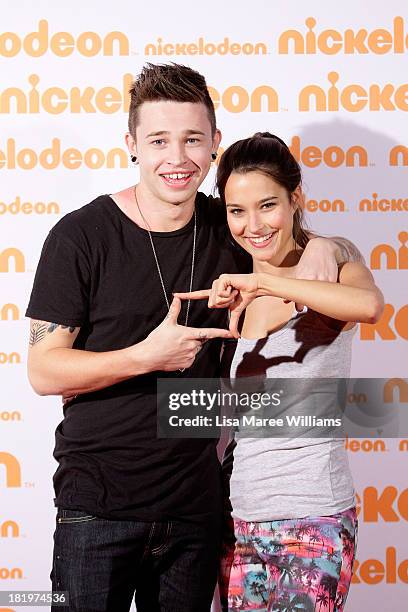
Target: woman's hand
point(232, 291)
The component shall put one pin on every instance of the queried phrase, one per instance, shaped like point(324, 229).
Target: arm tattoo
point(348, 250)
point(39, 329)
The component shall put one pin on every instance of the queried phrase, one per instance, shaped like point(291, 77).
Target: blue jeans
point(167, 566)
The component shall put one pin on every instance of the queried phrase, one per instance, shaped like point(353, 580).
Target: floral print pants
point(289, 565)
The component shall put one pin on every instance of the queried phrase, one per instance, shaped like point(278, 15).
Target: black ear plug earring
point(213, 156)
point(133, 159)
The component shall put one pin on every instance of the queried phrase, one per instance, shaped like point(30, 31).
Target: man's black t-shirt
point(97, 272)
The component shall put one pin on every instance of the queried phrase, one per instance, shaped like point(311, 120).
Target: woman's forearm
point(334, 300)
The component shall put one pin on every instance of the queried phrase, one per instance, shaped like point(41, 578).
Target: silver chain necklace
point(158, 265)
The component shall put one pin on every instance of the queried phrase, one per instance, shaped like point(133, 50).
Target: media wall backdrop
point(331, 79)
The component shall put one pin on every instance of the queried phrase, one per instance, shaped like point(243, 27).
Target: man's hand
point(318, 262)
point(172, 347)
point(232, 291)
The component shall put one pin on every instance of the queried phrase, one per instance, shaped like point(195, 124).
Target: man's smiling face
point(174, 143)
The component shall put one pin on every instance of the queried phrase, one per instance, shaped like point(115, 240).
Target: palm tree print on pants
point(291, 565)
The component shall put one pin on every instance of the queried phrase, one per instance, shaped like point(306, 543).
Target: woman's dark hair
point(266, 153)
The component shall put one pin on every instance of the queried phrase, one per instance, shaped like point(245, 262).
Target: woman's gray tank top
point(278, 478)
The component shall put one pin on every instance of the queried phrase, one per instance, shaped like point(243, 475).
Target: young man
point(138, 514)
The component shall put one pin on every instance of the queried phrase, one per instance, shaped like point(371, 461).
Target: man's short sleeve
point(61, 287)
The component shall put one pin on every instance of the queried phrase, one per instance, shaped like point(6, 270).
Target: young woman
point(292, 499)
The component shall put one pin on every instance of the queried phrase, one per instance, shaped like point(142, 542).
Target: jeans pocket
point(66, 516)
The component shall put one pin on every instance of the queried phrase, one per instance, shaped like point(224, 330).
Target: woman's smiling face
point(260, 215)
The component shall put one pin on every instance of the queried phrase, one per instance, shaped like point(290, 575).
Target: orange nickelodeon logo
point(14, 573)
point(383, 204)
point(389, 504)
point(391, 385)
point(236, 99)
point(368, 331)
point(356, 445)
point(10, 358)
point(51, 157)
point(399, 152)
point(7, 255)
point(109, 100)
point(5, 415)
point(203, 47)
point(332, 156)
point(9, 529)
point(55, 100)
point(62, 44)
point(13, 470)
point(17, 207)
point(331, 41)
point(324, 206)
point(9, 312)
point(403, 446)
point(393, 260)
point(374, 571)
point(354, 97)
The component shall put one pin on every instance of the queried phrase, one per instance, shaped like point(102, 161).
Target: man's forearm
point(68, 372)
point(345, 250)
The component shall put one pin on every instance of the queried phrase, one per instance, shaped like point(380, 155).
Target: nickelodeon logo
point(397, 153)
point(324, 206)
point(110, 100)
point(369, 331)
point(202, 47)
point(52, 157)
point(9, 529)
point(13, 470)
point(62, 44)
point(10, 358)
point(332, 156)
point(17, 207)
point(9, 312)
point(332, 42)
point(55, 100)
point(384, 204)
point(15, 573)
point(236, 99)
point(388, 504)
point(395, 384)
point(14, 255)
point(354, 97)
point(374, 571)
point(6, 415)
point(366, 446)
point(393, 260)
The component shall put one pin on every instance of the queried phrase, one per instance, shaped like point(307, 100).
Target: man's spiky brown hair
point(172, 82)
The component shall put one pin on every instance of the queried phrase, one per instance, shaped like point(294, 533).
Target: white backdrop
point(328, 78)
